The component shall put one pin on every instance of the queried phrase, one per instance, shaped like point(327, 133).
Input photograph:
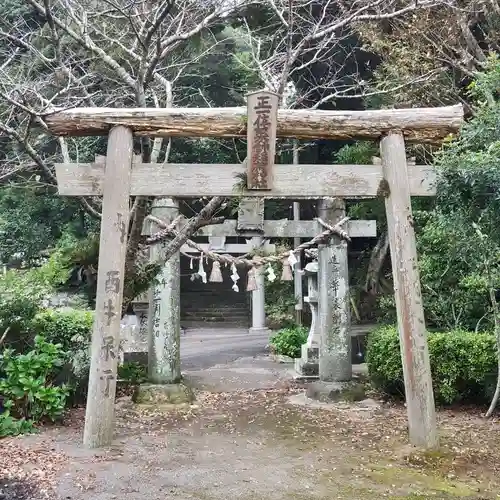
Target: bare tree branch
point(113, 53)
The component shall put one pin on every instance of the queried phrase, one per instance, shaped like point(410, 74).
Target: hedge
point(463, 364)
point(72, 328)
point(288, 341)
point(69, 327)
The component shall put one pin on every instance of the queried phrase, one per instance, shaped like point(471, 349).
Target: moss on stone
point(328, 392)
point(159, 394)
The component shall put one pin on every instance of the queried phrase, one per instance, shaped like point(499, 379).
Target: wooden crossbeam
point(283, 228)
point(429, 125)
point(236, 248)
point(290, 229)
point(289, 181)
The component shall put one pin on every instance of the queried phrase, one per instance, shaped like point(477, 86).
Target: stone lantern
point(308, 364)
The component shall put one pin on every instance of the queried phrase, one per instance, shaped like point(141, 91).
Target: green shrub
point(133, 372)
point(288, 341)
point(21, 296)
point(11, 426)
point(72, 329)
point(463, 364)
point(279, 316)
point(280, 302)
point(66, 327)
point(29, 395)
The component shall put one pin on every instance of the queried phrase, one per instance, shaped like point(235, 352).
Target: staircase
point(213, 304)
point(199, 308)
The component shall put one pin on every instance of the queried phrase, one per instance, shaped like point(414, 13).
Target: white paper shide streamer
point(201, 270)
point(292, 260)
point(235, 277)
point(271, 276)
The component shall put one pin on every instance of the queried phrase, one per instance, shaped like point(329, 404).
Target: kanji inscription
point(112, 283)
point(109, 311)
point(262, 121)
point(108, 347)
point(107, 376)
point(122, 227)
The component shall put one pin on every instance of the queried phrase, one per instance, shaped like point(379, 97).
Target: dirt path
point(259, 440)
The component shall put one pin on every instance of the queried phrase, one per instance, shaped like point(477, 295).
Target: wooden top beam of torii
point(424, 125)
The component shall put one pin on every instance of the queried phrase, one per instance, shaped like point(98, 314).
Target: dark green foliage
point(73, 264)
point(27, 388)
point(133, 373)
point(22, 313)
point(21, 295)
point(459, 241)
point(32, 220)
point(69, 328)
point(358, 153)
point(10, 425)
point(361, 153)
point(21, 298)
point(288, 341)
point(463, 364)
point(280, 301)
point(72, 329)
point(139, 282)
point(452, 262)
point(386, 309)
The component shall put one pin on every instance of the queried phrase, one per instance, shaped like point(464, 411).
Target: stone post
point(307, 364)
point(164, 366)
point(297, 275)
point(334, 308)
point(135, 340)
point(258, 297)
point(311, 271)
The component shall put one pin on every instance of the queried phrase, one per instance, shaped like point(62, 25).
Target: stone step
point(195, 314)
point(220, 316)
point(204, 307)
point(225, 307)
point(223, 289)
point(227, 310)
point(187, 324)
point(211, 302)
point(193, 325)
point(213, 317)
point(223, 310)
point(218, 312)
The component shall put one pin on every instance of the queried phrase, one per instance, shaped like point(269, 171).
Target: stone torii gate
point(251, 224)
point(394, 180)
point(164, 317)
